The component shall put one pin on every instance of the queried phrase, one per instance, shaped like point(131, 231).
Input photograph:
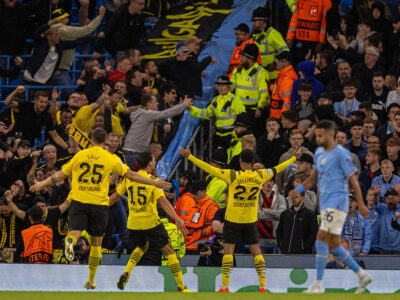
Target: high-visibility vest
point(308, 21)
point(235, 58)
point(251, 86)
point(291, 4)
point(270, 43)
point(177, 241)
point(224, 108)
point(38, 244)
point(216, 190)
point(281, 92)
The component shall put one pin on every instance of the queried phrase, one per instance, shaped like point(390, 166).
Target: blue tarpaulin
point(220, 46)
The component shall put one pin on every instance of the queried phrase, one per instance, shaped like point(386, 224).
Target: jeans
point(131, 159)
point(63, 79)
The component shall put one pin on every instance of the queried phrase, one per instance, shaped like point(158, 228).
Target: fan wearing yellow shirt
point(90, 170)
point(144, 223)
point(241, 212)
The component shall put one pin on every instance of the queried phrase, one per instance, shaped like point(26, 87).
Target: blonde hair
point(386, 162)
point(249, 140)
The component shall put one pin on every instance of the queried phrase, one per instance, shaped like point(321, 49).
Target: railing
point(199, 145)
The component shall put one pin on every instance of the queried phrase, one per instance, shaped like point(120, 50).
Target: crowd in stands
point(338, 60)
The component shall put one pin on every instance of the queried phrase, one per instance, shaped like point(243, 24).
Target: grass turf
point(183, 296)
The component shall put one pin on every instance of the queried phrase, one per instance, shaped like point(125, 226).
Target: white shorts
point(332, 221)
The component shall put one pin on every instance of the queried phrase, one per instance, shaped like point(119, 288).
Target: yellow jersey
point(82, 117)
point(91, 169)
point(244, 187)
point(142, 201)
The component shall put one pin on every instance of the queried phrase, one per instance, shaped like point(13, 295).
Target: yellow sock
point(259, 263)
point(227, 265)
point(73, 238)
point(94, 261)
point(135, 257)
point(175, 268)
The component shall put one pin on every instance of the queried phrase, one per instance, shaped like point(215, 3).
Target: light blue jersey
point(333, 167)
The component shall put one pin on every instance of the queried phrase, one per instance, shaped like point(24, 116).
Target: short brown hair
point(121, 59)
point(295, 131)
point(375, 151)
point(99, 135)
point(392, 142)
point(369, 121)
point(300, 176)
point(42, 93)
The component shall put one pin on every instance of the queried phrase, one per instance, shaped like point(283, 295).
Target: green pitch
point(184, 296)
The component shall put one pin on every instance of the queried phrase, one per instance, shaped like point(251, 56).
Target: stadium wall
point(159, 279)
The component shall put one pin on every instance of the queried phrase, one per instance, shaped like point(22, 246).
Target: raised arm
point(141, 179)
point(14, 209)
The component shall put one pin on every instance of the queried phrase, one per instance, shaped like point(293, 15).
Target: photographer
point(81, 250)
point(211, 252)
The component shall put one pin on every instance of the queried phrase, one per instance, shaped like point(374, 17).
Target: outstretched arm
point(52, 180)
point(141, 179)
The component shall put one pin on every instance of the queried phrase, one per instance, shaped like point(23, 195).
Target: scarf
point(4, 232)
point(80, 137)
point(353, 233)
point(343, 108)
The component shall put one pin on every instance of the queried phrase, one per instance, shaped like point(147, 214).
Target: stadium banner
point(28, 277)
point(199, 18)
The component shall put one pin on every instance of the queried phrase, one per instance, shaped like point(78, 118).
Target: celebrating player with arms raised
point(241, 213)
point(334, 169)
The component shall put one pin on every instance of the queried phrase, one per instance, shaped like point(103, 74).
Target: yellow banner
point(80, 137)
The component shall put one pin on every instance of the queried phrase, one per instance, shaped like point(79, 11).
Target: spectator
point(216, 188)
point(389, 238)
point(47, 53)
point(387, 180)
point(350, 103)
point(119, 73)
point(35, 245)
point(270, 206)
point(380, 23)
point(296, 141)
point(305, 108)
point(135, 56)
point(357, 230)
point(394, 94)
point(356, 144)
point(143, 127)
point(325, 70)
point(124, 29)
point(242, 127)
point(187, 74)
point(200, 214)
point(297, 228)
point(247, 142)
point(369, 128)
point(306, 73)
point(289, 123)
point(304, 166)
point(134, 83)
point(35, 117)
point(378, 96)
point(373, 170)
point(62, 129)
point(271, 145)
point(385, 130)
point(341, 139)
point(310, 197)
point(366, 108)
point(151, 78)
point(374, 220)
point(281, 90)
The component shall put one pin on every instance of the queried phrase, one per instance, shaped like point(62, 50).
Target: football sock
point(346, 258)
point(175, 268)
point(227, 265)
point(135, 257)
point(321, 258)
point(259, 263)
point(94, 261)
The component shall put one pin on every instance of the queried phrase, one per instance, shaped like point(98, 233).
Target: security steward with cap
point(242, 33)
point(269, 40)
point(250, 81)
point(224, 108)
point(281, 89)
point(216, 188)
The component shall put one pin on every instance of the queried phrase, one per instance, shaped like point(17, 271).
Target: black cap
point(391, 192)
point(39, 198)
point(260, 13)
point(220, 157)
point(223, 80)
point(325, 95)
point(244, 120)
point(59, 14)
point(243, 28)
point(24, 143)
point(283, 55)
point(306, 158)
point(251, 51)
point(36, 213)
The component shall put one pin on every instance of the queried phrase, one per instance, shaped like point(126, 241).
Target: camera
point(203, 247)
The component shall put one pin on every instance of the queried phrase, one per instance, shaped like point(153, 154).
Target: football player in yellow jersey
point(241, 212)
point(144, 224)
point(90, 170)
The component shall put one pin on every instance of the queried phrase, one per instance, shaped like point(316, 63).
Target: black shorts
point(90, 217)
point(156, 236)
point(234, 233)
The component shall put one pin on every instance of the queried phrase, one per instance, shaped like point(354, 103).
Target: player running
point(91, 169)
point(241, 212)
point(145, 225)
point(334, 169)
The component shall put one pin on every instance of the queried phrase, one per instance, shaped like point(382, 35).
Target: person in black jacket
point(297, 228)
point(188, 73)
point(271, 145)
